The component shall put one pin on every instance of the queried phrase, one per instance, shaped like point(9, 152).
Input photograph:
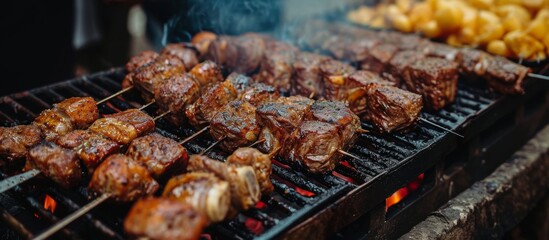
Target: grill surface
point(388, 162)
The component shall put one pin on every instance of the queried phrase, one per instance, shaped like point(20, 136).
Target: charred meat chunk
point(474, 63)
point(395, 68)
point(259, 93)
point(236, 124)
point(161, 155)
point(141, 59)
point(59, 164)
point(261, 163)
point(243, 184)
point(81, 110)
point(114, 129)
point(440, 50)
point(251, 50)
point(141, 121)
point(338, 115)
point(147, 77)
point(240, 82)
point(15, 141)
point(333, 74)
point(183, 52)
point(175, 94)
point(207, 194)
point(435, 79)
point(390, 108)
point(94, 149)
point(207, 73)
point(357, 89)
point(201, 112)
point(359, 49)
point(164, 219)
point(276, 69)
point(74, 138)
point(222, 51)
point(53, 124)
point(123, 179)
point(307, 80)
point(379, 57)
point(504, 76)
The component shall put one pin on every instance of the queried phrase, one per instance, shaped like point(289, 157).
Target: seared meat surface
point(261, 163)
point(378, 58)
point(207, 73)
point(114, 129)
point(276, 68)
point(395, 68)
point(245, 191)
point(74, 138)
point(94, 148)
point(505, 76)
point(333, 75)
point(161, 155)
point(141, 121)
point(240, 82)
point(259, 93)
point(357, 88)
point(59, 164)
point(123, 179)
point(236, 124)
point(251, 50)
point(307, 80)
point(164, 219)
point(435, 79)
point(15, 141)
point(201, 112)
point(82, 111)
point(207, 194)
point(186, 54)
point(53, 124)
point(175, 94)
point(147, 77)
point(141, 59)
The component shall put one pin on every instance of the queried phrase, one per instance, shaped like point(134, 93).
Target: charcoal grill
point(303, 204)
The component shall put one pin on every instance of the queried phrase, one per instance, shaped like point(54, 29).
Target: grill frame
point(348, 200)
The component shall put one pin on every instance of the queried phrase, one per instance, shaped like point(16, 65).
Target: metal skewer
point(114, 95)
point(441, 127)
point(538, 76)
point(194, 135)
point(213, 145)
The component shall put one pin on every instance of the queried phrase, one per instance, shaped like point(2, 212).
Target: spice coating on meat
point(141, 59)
point(161, 155)
point(240, 82)
point(114, 129)
point(259, 93)
point(82, 111)
point(307, 80)
point(391, 108)
point(245, 191)
point(379, 57)
point(333, 74)
point(261, 163)
point(435, 79)
point(94, 149)
point(398, 64)
point(15, 141)
point(59, 164)
point(505, 76)
point(74, 138)
point(276, 69)
point(123, 179)
point(315, 145)
point(201, 112)
point(473, 63)
point(141, 121)
point(338, 115)
point(186, 54)
point(357, 89)
point(53, 124)
point(236, 124)
point(207, 194)
point(207, 73)
point(175, 94)
point(164, 219)
point(147, 77)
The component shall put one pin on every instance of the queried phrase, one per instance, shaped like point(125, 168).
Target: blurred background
point(49, 41)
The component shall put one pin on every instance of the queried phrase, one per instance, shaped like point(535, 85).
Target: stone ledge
point(497, 203)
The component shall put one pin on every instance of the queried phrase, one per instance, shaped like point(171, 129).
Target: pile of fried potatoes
point(517, 29)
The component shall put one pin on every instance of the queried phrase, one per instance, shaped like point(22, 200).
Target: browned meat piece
point(442, 51)
point(53, 124)
point(333, 74)
point(201, 112)
point(236, 124)
point(403, 41)
point(280, 118)
point(307, 80)
point(379, 57)
point(123, 179)
point(141, 59)
point(395, 68)
point(114, 129)
point(245, 191)
point(59, 164)
point(390, 108)
point(186, 54)
point(240, 82)
point(251, 50)
point(207, 194)
point(161, 155)
point(222, 51)
point(147, 77)
point(276, 69)
point(435, 79)
point(164, 219)
point(474, 63)
point(141, 121)
point(359, 49)
point(314, 145)
point(337, 45)
point(504, 76)
point(74, 138)
point(259, 93)
point(202, 41)
point(207, 73)
point(81, 110)
point(175, 94)
point(357, 89)
point(94, 149)
point(260, 162)
point(15, 141)
point(338, 115)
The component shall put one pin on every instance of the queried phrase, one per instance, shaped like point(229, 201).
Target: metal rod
point(194, 135)
point(258, 142)
point(538, 76)
point(147, 105)
point(360, 130)
point(161, 115)
point(71, 218)
point(114, 95)
point(441, 127)
point(13, 181)
point(213, 145)
point(349, 155)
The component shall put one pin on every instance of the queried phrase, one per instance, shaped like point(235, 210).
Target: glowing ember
point(254, 226)
point(260, 205)
point(336, 174)
point(49, 203)
point(304, 192)
point(403, 192)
